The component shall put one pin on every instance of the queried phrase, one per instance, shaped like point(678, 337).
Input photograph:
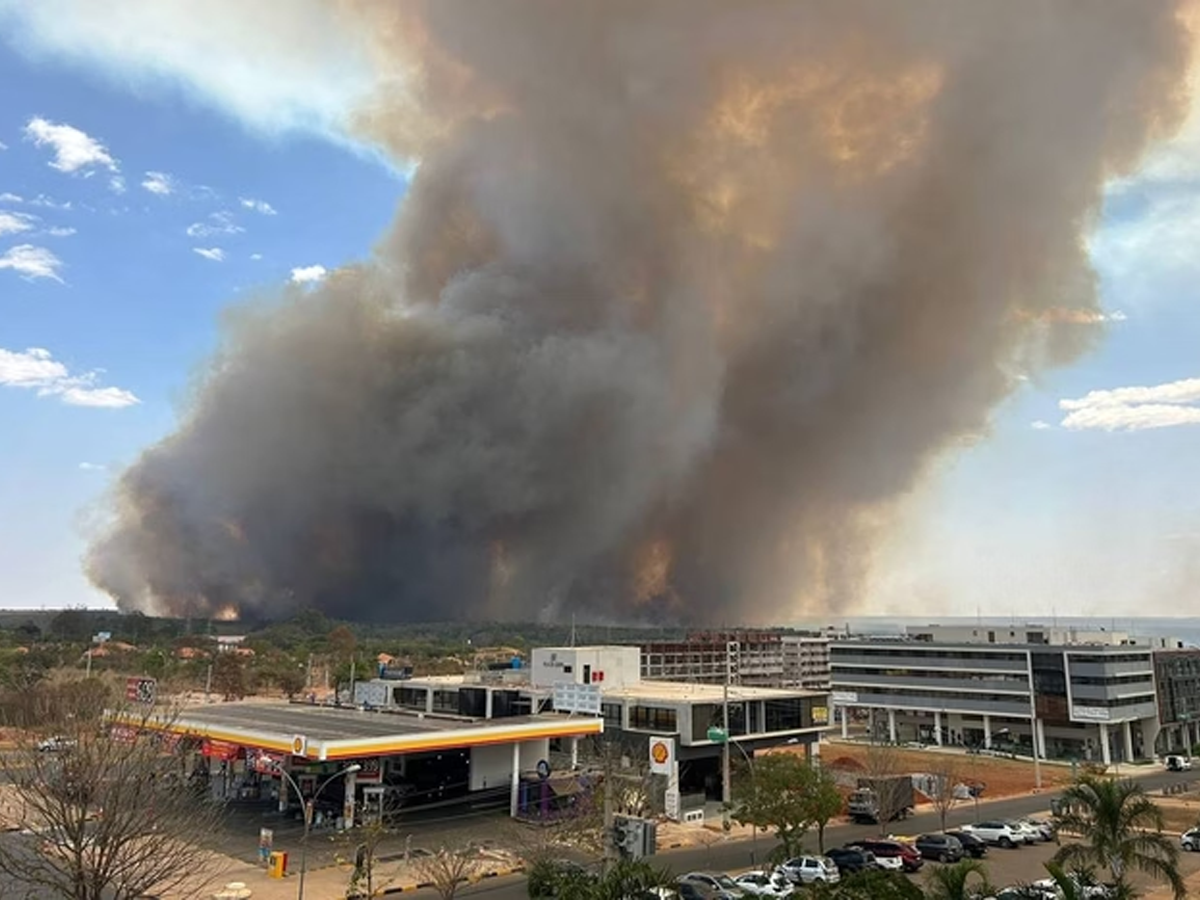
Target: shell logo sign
point(662, 755)
point(299, 745)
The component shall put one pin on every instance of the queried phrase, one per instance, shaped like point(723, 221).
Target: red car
point(910, 859)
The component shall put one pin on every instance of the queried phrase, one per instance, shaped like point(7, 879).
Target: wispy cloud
point(15, 223)
point(37, 370)
point(1039, 425)
point(8, 197)
point(256, 256)
point(49, 202)
point(216, 254)
point(92, 467)
point(117, 184)
point(159, 183)
point(60, 231)
point(3, 146)
point(1135, 408)
point(31, 262)
point(259, 206)
point(217, 223)
point(308, 274)
point(74, 150)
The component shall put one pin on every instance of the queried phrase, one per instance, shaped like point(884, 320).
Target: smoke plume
point(683, 299)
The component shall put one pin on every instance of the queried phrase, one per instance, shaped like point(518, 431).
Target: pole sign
point(662, 755)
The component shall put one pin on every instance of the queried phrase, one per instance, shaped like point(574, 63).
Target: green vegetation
point(1119, 830)
point(783, 794)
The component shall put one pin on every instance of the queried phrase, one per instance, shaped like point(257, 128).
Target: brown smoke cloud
point(683, 299)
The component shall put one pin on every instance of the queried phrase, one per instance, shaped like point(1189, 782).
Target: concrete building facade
point(1093, 701)
point(1177, 679)
point(753, 657)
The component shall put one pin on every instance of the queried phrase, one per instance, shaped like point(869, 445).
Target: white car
point(1026, 832)
point(889, 863)
point(1048, 887)
point(1044, 829)
point(55, 744)
point(715, 882)
point(1190, 839)
point(999, 833)
point(811, 870)
point(1178, 763)
point(765, 884)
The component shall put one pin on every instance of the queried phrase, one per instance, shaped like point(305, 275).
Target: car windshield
point(724, 881)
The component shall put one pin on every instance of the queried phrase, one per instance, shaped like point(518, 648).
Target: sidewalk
point(239, 880)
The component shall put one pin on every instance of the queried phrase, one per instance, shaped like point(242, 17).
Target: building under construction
point(759, 658)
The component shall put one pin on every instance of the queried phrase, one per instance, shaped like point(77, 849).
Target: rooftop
point(679, 690)
point(329, 733)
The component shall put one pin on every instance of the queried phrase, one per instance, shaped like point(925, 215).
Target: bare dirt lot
point(1000, 777)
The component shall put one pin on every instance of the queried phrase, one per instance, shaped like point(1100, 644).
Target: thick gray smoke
point(684, 298)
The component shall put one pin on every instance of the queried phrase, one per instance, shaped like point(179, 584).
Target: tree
point(447, 870)
point(871, 884)
point(964, 880)
point(229, 676)
point(944, 780)
point(1123, 829)
point(776, 799)
point(110, 815)
point(824, 802)
point(362, 879)
point(342, 643)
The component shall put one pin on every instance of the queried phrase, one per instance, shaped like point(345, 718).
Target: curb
point(408, 888)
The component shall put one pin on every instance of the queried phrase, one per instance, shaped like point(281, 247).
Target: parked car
point(765, 884)
point(910, 859)
point(1190, 839)
point(972, 845)
point(1087, 888)
point(689, 890)
point(999, 833)
point(1178, 763)
point(849, 861)
point(1026, 832)
point(55, 744)
point(717, 883)
point(1044, 829)
point(810, 870)
point(941, 847)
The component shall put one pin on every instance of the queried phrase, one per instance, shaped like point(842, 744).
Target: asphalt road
point(1007, 867)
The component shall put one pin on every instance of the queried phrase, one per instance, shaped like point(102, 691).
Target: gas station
point(353, 765)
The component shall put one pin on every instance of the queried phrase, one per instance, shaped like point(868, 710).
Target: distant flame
point(227, 613)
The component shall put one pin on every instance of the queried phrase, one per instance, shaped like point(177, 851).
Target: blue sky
point(117, 171)
point(124, 301)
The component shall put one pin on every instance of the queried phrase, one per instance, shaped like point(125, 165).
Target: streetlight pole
point(726, 793)
point(308, 813)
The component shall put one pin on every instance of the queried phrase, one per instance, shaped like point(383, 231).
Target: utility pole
point(726, 793)
point(208, 683)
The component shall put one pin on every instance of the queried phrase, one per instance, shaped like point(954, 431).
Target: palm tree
point(960, 881)
point(1123, 831)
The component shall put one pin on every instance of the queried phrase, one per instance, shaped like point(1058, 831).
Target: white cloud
point(31, 262)
point(74, 150)
point(92, 467)
point(256, 256)
point(15, 223)
point(275, 67)
point(308, 274)
point(8, 197)
point(1135, 408)
point(159, 183)
point(1039, 425)
point(60, 231)
point(49, 202)
point(37, 370)
point(259, 206)
point(218, 223)
point(106, 398)
point(216, 254)
point(116, 184)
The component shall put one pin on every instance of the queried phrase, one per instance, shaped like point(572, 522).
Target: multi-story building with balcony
point(757, 658)
point(1028, 686)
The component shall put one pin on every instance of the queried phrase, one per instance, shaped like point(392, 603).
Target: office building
point(750, 657)
point(976, 686)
